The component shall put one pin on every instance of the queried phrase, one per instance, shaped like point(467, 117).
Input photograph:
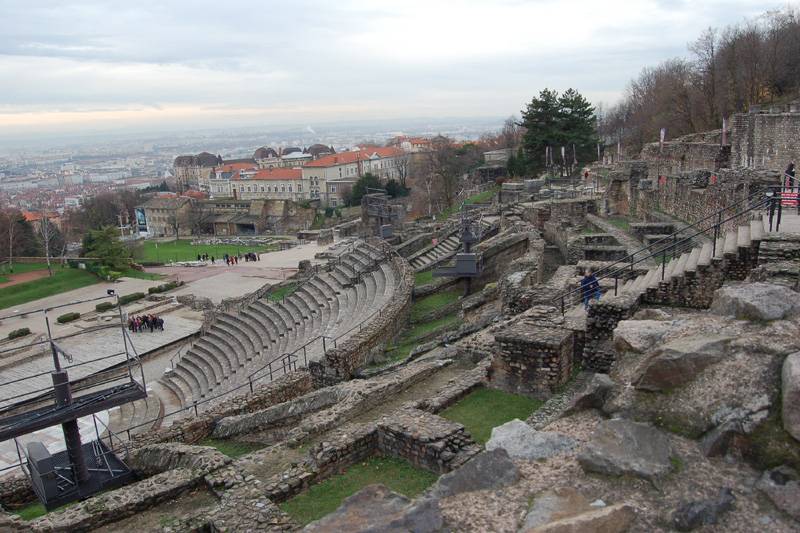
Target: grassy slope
point(183, 250)
point(484, 409)
point(325, 497)
point(63, 280)
point(233, 449)
point(428, 304)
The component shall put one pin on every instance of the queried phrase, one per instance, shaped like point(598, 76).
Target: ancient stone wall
point(678, 156)
point(532, 358)
point(497, 252)
point(765, 140)
point(341, 362)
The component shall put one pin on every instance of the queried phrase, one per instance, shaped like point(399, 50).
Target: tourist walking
point(590, 288)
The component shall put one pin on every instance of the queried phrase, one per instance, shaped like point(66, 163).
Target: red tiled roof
point(233, 167)
point(197, 195)
point(344, 158)
point(281, 173)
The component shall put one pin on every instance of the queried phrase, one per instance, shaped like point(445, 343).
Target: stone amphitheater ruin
point(670, 403)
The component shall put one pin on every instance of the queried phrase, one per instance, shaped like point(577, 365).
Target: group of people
point(230, 259)
point(137, 324)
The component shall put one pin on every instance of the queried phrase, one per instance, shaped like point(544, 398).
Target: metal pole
point(52, 345)
point(124, 338)
point(616, 281)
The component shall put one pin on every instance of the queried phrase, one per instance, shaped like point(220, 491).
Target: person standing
point(590, 288)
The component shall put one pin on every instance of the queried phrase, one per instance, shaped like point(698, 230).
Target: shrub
point(128, 298)
point(17, 333)
point(164, 287)
point(104, 306)
point(68, 317)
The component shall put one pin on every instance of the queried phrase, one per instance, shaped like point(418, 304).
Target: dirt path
point(22, 277)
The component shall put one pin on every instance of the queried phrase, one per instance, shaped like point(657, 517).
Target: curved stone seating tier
point(237, 346)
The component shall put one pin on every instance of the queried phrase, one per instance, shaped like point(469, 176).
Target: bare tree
point(403, 164)
point(512, 133)
point(199, 218)
point(47, 235)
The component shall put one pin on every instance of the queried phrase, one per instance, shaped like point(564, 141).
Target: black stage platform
point(86, 404)
point(54, 482)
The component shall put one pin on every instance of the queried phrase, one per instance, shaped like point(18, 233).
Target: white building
point(329, 176)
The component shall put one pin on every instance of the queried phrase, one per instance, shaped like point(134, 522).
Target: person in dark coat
point(590, 288)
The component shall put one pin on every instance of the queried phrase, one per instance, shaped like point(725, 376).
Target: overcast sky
point(94, 65)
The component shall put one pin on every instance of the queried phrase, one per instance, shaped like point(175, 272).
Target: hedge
point(164, 287)
point(68, 317)
point(17, 333)
point(128, 298)
point(104, 306)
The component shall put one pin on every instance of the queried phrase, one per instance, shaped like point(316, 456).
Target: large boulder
point(591, 395)
point(376, 508)
point(488, 470)
point(639, 335)
point(782, 486)
point(680, 361)
point(523, 442)
point(755, 301)
point(554, 505)
point(691, 515)
point(611, 519)
point(790, 392)
point(620, 447)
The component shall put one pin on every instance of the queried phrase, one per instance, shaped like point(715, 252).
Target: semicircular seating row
point(239, 344)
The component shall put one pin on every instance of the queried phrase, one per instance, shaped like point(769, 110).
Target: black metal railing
point(673, 246)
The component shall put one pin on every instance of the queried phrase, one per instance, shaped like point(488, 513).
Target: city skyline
point(86, 67)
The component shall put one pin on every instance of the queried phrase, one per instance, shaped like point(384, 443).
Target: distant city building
point(269, 183)
point(166, 216)
point(329, 177)
point(195, 170)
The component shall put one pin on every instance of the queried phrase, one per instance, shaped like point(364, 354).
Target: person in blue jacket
point(590, 288)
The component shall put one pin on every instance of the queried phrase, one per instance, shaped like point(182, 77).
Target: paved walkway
point(219, 281)
point(37, 324)
point(790, 222)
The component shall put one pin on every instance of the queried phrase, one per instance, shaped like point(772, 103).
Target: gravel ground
point(697, 478)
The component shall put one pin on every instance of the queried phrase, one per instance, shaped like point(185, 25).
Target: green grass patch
point(19, 268)
point(423, 278)
point(29, 512)
point(282, 292)
point(35, 510)
point(325, 497)
point(184, 250)
point(231, 448)
point(62, 280)
point(139, 274)
point(620, 222)
point(411, 338)
point(484, 408)
point(425, 306)
point(480, 198)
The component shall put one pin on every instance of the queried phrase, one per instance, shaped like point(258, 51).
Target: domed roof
point(265, 152)
point(320, 149)
point(290, 149)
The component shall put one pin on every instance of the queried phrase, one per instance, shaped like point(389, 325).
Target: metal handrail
point(627, 259)
point(767, 200)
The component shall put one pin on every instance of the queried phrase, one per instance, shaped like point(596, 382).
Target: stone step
point(757, 230)
point(705, 254)
point(743, 237)
point(729, 247)
point(680, 266)
point(694, 258)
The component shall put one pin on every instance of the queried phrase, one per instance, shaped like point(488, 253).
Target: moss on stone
point(771, 446)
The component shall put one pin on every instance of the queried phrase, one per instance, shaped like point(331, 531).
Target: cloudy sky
point(94, 65)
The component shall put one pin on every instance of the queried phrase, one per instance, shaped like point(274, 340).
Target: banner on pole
point(661, 137)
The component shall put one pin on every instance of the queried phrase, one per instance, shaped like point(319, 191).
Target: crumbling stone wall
point(678, 156)
point(532, 358)
point(765, 140)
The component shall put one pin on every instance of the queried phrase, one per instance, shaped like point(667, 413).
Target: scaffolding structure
point(28, 404)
